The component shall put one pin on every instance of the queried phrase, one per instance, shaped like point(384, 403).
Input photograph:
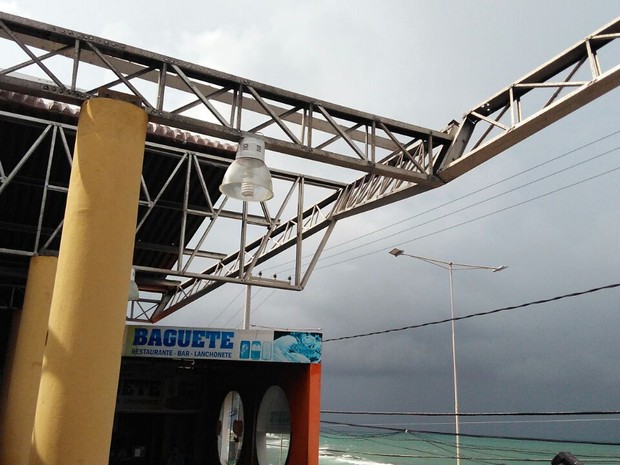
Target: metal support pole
point(248, 306)
point(457, 442)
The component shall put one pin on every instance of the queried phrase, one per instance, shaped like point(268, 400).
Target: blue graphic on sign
point(266, 355)
point(297, 347)
point(256, 350)
point(244, 350)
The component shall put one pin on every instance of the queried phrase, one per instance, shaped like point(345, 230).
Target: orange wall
point(304, 393)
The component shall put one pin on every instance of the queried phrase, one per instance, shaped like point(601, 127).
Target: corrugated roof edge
point(73, 112)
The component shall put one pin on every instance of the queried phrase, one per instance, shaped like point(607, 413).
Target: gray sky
point(428, 63)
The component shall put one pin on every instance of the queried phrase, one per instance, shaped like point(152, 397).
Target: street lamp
point(247, 178)
point(134, 292)
point(450, 266)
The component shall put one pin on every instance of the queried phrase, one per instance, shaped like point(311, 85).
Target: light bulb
point(247, 189)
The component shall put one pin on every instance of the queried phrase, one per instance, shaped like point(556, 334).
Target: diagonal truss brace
point(372, 191)
point(296, 125)
point(562, 85)
point(398, 160)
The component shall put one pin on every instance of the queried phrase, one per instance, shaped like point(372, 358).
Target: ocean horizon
point(410, 448)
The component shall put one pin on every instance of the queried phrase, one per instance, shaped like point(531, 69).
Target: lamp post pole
point(457, 437)
point(248, 307)
point(451, 267)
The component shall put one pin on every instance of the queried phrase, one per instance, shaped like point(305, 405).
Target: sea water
point(359, 448)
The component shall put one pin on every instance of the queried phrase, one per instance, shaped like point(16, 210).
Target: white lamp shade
point(134, 292)
point(248, 178)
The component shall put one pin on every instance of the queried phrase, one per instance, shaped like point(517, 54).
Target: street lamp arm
point(465, 266)
point(447, 265)
point(432, 261)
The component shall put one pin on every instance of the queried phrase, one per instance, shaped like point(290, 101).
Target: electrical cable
point(453, 227)
point(486, 215)
point(253, 311)
point(474, 414)
point(475, 192)
point(509, 191)
point(459, 210)
point(514, 438)
point(474, 315)
point(493, 453)
point(225, 308)
point(396, 441)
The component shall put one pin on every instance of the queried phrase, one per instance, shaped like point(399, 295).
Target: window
point(230, 429)
point(273, 428)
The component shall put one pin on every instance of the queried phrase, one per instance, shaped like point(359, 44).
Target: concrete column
point(75, 407)
point(23, 372)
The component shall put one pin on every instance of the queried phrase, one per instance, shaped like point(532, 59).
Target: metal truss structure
point(197, 115)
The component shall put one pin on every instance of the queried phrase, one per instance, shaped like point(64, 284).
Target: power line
point(471, 220)
point(509, 422)
point(241, 310)
point(481, 202)
point(226, 308)
point(488, 199)
point(473, 315)
point(350, 249)
point(513, 438)
point(496, 183)
point(475, 414)
point(442, 447)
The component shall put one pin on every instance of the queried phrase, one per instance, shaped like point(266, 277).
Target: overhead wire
point(253, 311)
point(471, 220)
point(402, 441)
point(502, 422)
point(467, 435)
point(494, 453)
point(474, 315)
point(226, 308)
point(474, 414)
point(348, 242)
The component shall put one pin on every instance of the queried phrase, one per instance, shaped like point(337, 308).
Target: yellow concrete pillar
point(23, 370)
point(75, 407)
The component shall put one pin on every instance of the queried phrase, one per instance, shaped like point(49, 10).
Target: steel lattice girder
point(397, 160)
point(300, 126)
point(564, 84)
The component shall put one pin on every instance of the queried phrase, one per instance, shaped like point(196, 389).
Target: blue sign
point(223, 344)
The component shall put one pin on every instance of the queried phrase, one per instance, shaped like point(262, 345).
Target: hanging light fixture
point(248, 178)
point(134, 292)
